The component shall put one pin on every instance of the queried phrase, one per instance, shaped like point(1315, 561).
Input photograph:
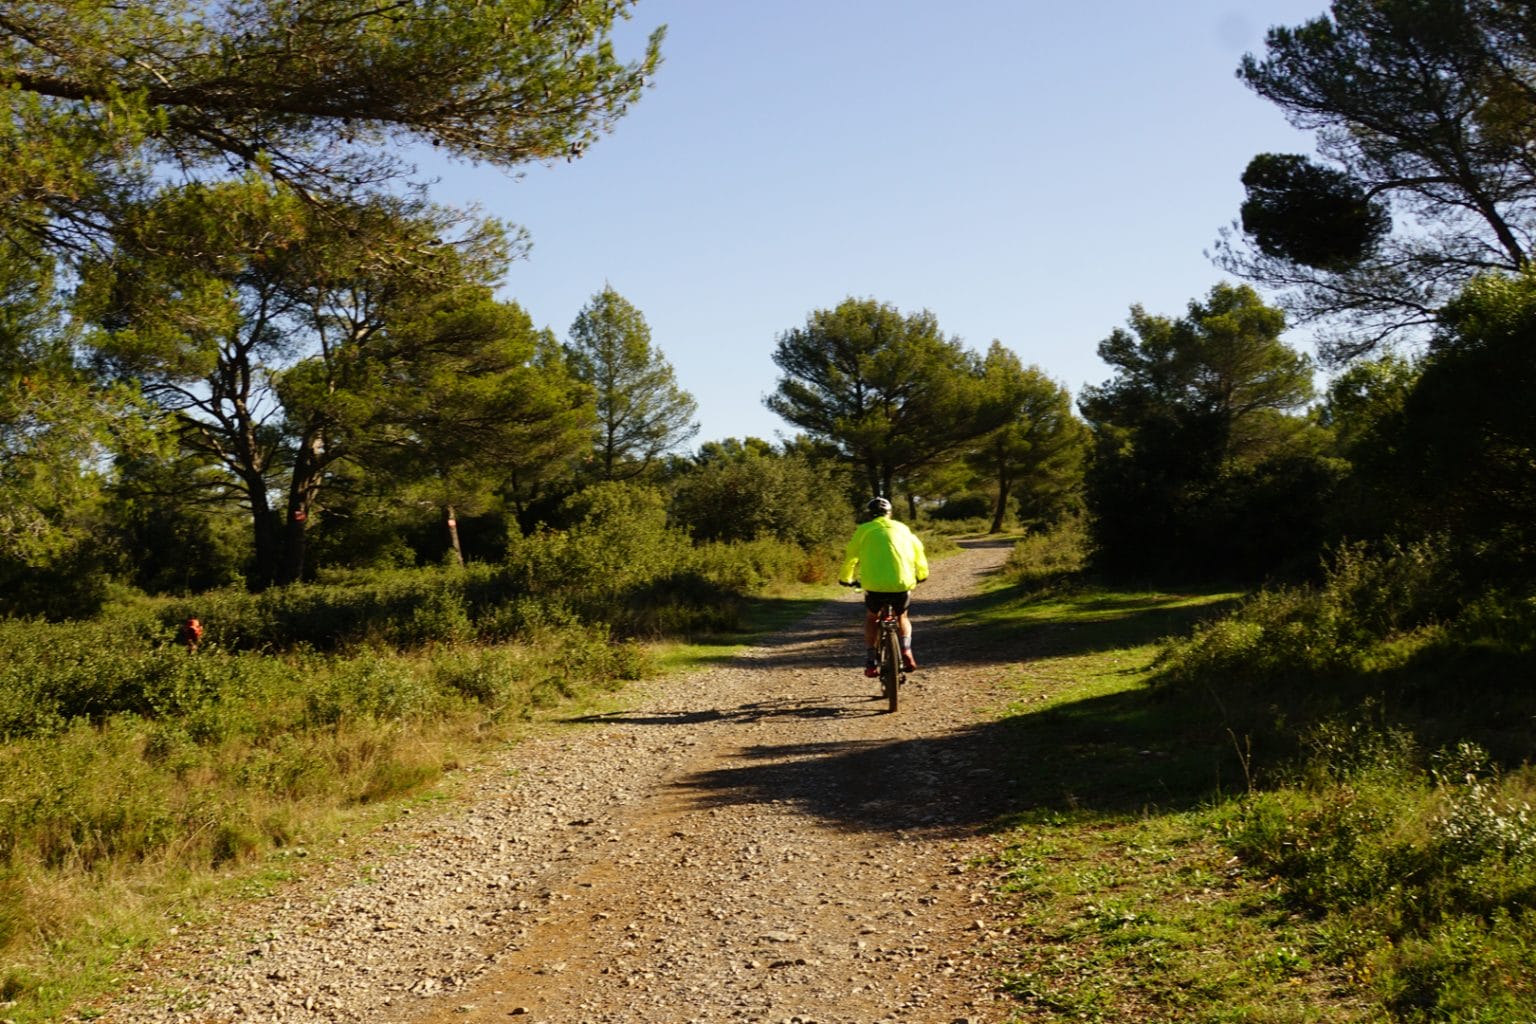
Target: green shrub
point(1043, 559)
point(619, 566)
point(1352, 623)
point(947, 528)
point(484, 676)
point(621, 538)
point(1498, 620)
point(974, 506)
point(83, 799)
point(1429, 876)
point(1379, 591)
point(374, 686)
point(750, 566)
point(1463, 970)
point(748, 492)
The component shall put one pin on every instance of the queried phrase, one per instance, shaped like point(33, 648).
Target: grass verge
point(1120, 899)
point(166, 783)
point(114, 829)
point(1157, 867)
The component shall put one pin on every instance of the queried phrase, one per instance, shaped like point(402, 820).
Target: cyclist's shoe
point(908, 662)
point(872, 668)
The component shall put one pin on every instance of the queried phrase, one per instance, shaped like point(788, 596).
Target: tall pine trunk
point(1000, 510)
point(308, 470)
point(453, 537)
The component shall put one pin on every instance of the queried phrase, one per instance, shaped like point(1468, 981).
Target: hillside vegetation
point(251, 373)
point(1302, 804)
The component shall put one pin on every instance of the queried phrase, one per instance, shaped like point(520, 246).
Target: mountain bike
point(888, 651)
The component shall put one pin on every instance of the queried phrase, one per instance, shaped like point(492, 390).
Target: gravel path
point(757, 842)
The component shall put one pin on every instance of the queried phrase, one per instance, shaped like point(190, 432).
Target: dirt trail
point(757, 842)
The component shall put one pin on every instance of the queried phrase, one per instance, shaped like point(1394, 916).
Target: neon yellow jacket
point(885, 556)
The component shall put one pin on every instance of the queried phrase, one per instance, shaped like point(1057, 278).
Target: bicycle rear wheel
point(890, 667)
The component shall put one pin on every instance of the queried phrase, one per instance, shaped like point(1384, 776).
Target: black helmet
point(878, 507)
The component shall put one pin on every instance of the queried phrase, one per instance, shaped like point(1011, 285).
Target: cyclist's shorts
point(874, 600)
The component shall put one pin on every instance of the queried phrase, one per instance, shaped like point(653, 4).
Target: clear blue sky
point(1026, 171)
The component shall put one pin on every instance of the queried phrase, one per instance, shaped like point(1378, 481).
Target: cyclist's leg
point(904, 628)
point(872, 606)
point(874, 600)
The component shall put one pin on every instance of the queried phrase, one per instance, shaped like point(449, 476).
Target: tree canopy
point(228, 189)
point(1036, 458)
point(263, 326)
point(1422, 112)
point(464, 401)
point(57, 428)
point(746, 490)
point(1193, 449)
point(318, 94)
point(642, 413)
point(1461, 447)
point(891, 392)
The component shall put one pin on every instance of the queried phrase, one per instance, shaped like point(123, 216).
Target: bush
point(966, 506)
point(750, 492)
point(1368, 600)
point(746, 568)
point(377, 687)
point(74, 584)
point(405, 608)
point(620, 565)
point(1046, 559)
point(1423, 881)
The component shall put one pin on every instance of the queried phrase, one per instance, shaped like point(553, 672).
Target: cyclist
point(889, 560)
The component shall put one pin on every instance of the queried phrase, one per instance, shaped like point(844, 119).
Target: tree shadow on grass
point(958, 632)
point(977, 630)
point(1148, 749)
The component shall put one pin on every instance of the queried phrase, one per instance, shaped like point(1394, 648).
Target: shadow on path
point(846, 705)
point(1112, 755)
point(947, 632)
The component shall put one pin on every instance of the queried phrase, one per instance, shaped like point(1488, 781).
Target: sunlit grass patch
point(1150, 920)
point(1159, 868)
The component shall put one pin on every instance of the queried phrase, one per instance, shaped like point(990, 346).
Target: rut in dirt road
point(759, 842)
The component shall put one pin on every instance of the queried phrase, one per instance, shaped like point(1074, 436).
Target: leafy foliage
point(466, 397)
point(1309, 635)
point(747, 490)
point(1421, 110)
point(889, 392)
point(1312, 215)
point(1468, 427)
point(318, 95)
point(1425, 880)
point(1443, 445)
point(1196, 466)
point(285, 356)
point(57, 428)
point(1036, 459)
point(642, 413)
point(218, 177)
